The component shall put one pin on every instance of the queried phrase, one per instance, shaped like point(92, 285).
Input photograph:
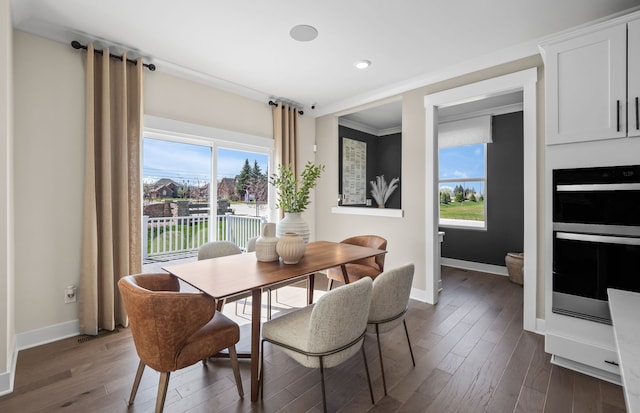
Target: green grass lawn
point(467, 210)
point(181, 235)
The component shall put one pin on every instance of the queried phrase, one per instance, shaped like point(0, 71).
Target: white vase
point(290, 247)
point(266, 243)
point(293, 222)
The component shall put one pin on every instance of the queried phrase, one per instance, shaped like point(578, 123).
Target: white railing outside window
point(166, 236)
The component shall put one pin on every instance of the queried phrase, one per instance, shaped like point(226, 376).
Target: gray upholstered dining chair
point(251, 247)
point(324, 334)
point(389, 303)
point(215, 249)
point(251, 244)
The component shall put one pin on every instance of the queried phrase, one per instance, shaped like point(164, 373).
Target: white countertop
point(625, 315)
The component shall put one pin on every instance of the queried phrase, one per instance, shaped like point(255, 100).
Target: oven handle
point(597, 238)
point(598, 187)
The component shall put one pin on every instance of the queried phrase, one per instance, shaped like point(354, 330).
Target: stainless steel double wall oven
point(596, 238)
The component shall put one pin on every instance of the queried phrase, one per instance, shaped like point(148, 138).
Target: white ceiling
point(244, 46)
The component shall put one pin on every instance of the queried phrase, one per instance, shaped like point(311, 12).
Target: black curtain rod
point(272, 103)
point(76, 45)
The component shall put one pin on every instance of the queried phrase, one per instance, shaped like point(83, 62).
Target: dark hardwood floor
point(472, 355)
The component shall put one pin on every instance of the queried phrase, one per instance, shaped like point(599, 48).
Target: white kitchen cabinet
point(633, 87)
point(588, 96)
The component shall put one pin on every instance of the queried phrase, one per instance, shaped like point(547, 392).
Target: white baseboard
point(6, 378)
point(47, 334)
point(474, 266)
point(35, 338)
point(418, 295)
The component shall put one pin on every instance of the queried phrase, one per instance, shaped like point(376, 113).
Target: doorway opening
point(524, 81)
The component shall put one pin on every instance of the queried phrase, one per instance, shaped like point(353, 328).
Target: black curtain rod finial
point(77, 45)
point(272, 103)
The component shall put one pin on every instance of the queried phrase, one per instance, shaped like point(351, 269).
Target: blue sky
point(187, 162)
point(461, 162)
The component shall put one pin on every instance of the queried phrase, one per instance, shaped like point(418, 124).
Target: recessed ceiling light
point(362, 64)
point(303, 33)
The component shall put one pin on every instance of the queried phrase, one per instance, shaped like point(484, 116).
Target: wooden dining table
point(232, 275)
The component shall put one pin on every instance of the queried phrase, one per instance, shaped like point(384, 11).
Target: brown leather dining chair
point(172, 329)
point(367, 267)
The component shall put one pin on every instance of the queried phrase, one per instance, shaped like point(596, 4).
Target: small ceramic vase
point(290, 247)
point(266, 243)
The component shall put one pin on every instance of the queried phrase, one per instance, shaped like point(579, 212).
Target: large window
point(463, 173)
point(202, 184)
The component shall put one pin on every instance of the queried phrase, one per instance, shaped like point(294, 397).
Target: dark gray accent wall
point(384, 157)
point(504, 200)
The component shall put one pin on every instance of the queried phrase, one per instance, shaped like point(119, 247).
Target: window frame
point(465, 223)
point(156, 127)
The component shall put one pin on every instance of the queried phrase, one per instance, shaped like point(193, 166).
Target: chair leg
point(269, 304)
point(261, 372)
point(136, 382)
point(409, 341)
point(162, 391)
point(233, 356)
point(384, 381)
point(330, 286)
point(366, 368)
point(324, 397)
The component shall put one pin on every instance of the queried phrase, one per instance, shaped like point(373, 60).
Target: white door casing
point(526, 81)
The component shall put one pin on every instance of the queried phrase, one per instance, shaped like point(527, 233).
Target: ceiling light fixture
point(362, 64)
point(303, 33)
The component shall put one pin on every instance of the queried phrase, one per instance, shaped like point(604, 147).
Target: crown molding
point(368, 129)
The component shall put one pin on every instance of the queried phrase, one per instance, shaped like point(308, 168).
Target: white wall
point(49, 171)
point(7, 326)
point(49, 164)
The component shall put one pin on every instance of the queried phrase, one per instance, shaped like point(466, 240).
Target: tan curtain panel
point(111, 239)
point(285, 134)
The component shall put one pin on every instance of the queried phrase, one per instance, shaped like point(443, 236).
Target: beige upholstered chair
point(367, 267)
point(326, 333)
point(215, 249)
point(172, 329)
point(389, 303)
point(251, 244)
point(251, 247)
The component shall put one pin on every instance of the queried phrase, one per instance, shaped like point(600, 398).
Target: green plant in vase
point(294, 196)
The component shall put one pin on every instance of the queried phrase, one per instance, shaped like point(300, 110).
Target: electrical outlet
point(70, 294)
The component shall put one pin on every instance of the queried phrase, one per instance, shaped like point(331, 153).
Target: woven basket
point(515, 265)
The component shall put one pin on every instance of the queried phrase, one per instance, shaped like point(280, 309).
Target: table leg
point(310, 282)
point(256, 310)
point(344, 273)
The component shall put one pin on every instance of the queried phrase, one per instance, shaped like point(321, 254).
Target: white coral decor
point(381, 191)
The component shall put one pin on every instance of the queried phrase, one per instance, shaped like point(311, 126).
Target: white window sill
point(379, 212)
point(462, 223)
